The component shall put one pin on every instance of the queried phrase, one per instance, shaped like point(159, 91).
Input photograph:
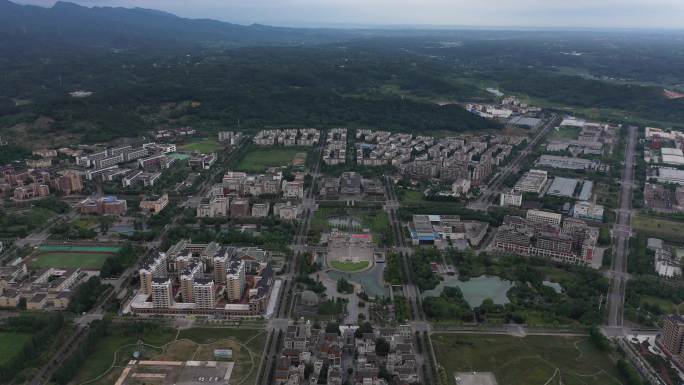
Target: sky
point(649, 14)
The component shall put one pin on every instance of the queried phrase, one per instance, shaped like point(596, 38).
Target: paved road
point(411, 292)
point(492, 189)
point(621, 233)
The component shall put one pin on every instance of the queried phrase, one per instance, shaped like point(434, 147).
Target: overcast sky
point(488, 13)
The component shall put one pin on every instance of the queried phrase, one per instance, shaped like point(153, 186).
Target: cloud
point(532, 13)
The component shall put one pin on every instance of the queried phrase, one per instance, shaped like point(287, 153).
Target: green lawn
point(87, 223)
point(661, 228)
point(103, 356)
point(410, 196)
point(349, 266)
point(565, 133)
point(258, 160)
point(205, 146)
point(10, 343)
point(533, 360)
point(69, 260)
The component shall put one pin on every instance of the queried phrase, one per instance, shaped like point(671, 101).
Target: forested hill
point(71, 24)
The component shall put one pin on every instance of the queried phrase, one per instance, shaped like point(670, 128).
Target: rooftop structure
point(532, 181)
point(564, 187)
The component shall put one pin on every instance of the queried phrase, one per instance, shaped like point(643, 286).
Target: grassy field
point(565, 133)
point(204, 146)
point(661, 228)
point(533, 360)
point(197, 343)
point(87, 222)
point(349, 266)
point(10, 343)
point(69, 260)
point(258, 160)
point(410, 196)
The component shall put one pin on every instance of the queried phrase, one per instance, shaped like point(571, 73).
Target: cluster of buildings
point(510, 110)
point(105, 205)
point(329, 354)
point(35, 183)
point(145, 163)
point(206, 279)
point(570, 163)
point(181, 132)
point(661, 198)
point(446, 230)
point(233, 138)
point(546, 234)
point(450, 159)
point(666, 260)
point(47, 289)
point(591, 139)
point(335, 150)
point(349, 184)
point(303, 137)
point(236, 196)
point(154, 204)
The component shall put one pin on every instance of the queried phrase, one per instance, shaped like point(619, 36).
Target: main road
point(483, 202)
point(622, 230)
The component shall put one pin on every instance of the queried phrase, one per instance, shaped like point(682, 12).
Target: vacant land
point(205, 146)
point(660, 228)
point(349, 266)
point(197, 343)
point(11, 343)
point(570, 133)
point(258, 160)
point(410, 196)
point(524, 361)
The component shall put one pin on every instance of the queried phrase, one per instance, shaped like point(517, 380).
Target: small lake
point(372, 280)
point(554, 285)
point(476, 289)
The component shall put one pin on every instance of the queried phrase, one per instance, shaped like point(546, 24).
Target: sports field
point(11, 343)
point(71, 256)
point(258, 160)
point(205, 146)
point(532, 360)
point(349, 266)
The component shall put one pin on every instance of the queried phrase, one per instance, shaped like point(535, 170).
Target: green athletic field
point(71, 256)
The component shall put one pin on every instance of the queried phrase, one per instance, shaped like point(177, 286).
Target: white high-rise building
point(203, 292)
point(235, 281)
point(154, 268)
point(186, 281)
point(162, 293)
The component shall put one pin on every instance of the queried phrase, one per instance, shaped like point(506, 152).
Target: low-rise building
point(154, 204)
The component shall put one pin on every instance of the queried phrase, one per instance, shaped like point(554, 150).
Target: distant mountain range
point(108, 27)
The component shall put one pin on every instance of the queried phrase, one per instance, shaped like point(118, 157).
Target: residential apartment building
point(162, 293)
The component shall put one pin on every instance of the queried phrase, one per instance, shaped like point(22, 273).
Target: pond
point(371, 280)
point(554, 285)
point(476, 289)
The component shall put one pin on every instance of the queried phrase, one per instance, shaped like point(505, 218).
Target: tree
point(382, 347)
point(364, 328)
point(332, 327)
